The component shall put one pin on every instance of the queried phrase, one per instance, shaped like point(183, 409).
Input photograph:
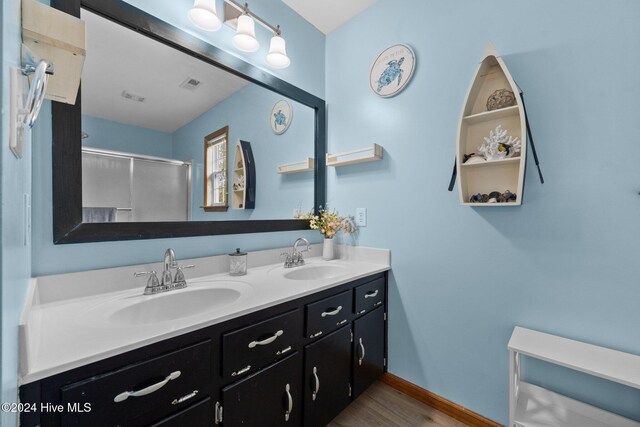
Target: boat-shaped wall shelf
point(478, 122)
point(306, 165)
point(361, 155)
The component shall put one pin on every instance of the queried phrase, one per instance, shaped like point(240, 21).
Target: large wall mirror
point(173, 137)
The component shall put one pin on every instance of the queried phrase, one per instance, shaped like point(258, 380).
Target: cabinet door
point(327, 374)
point(271, 397)
point(368, 350)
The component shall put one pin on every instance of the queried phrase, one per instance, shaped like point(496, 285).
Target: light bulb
point(277, 56)
point(203, 15)
point(245, 37)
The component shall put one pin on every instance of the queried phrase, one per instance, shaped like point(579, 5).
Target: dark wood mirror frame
point(67, 127)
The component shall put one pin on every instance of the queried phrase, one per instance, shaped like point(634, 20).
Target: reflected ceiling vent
point(190, 83)
point(132, 96)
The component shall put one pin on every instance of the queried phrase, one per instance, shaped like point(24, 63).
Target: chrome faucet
point(169, 263)
point(169, 282)
point(294, 259)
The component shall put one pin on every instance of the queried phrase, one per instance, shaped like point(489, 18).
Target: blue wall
point(15, 260)
point(305, 45)
point(111, 135)
point(566, 261)
point(246, 113)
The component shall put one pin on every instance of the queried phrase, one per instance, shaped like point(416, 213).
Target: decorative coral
point(499, 145)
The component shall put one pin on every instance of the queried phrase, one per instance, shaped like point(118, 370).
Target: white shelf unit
point(361, 155)
point(306, 165)
point(533, 406)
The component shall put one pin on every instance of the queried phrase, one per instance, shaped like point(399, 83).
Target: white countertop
point(64, 325)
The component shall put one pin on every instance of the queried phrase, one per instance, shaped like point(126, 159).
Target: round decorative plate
point(281, 116)
point(392, 70)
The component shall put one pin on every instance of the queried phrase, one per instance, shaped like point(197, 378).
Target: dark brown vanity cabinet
point(298, 363)
point(327, 377)
point(369, 357)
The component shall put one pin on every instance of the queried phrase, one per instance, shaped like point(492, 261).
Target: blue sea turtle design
point(280, 119)
point(393, 71)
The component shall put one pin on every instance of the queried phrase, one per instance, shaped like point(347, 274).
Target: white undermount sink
point(175, 305)
point(315, 272)
point(199, 298)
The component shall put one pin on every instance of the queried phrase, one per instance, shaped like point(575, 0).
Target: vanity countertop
point(66, 322)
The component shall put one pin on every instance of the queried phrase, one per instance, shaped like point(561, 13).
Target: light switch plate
point(361, 217)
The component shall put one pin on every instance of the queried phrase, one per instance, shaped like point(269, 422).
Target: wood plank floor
point(383, 406)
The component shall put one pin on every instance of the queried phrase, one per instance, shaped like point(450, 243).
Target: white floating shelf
point(490, 204)
point(361, 155)
point(491, 162)
point(297, 167)
point(492, 115)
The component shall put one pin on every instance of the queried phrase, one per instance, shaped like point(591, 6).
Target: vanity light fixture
point(243, 21)
point(245, 38)
point(203, 15)
point(277, 56)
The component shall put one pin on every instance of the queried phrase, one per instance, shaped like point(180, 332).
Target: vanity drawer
point(368, 296)
point(328, 314)
point(140, 393)
point(250, 348)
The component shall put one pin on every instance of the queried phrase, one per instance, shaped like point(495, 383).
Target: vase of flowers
point(329, 223)
point(327, 249)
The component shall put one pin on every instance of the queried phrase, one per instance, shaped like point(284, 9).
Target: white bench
point(533, 406)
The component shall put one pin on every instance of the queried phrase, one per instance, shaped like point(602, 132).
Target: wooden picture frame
point(208, 140)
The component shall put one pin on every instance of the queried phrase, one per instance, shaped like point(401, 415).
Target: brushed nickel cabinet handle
point(147, 390)
point(317, 386)
point(332, 313)
point(269, 340)
point(287, 390)
point(363, 352)
point(371, 294)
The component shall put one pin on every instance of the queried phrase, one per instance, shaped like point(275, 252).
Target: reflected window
point(215, 170)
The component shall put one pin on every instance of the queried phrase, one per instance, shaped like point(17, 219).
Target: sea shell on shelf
point(475, 159)
point(493, 197)
point(501, 98)
point(499, 145)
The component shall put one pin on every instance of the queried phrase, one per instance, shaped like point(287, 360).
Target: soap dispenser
point(238, 263)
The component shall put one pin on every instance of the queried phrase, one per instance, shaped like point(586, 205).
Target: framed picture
point(281, 116)
point(392, 70)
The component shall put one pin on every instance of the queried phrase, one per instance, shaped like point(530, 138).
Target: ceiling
point(327, 15)
point(119, 59)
